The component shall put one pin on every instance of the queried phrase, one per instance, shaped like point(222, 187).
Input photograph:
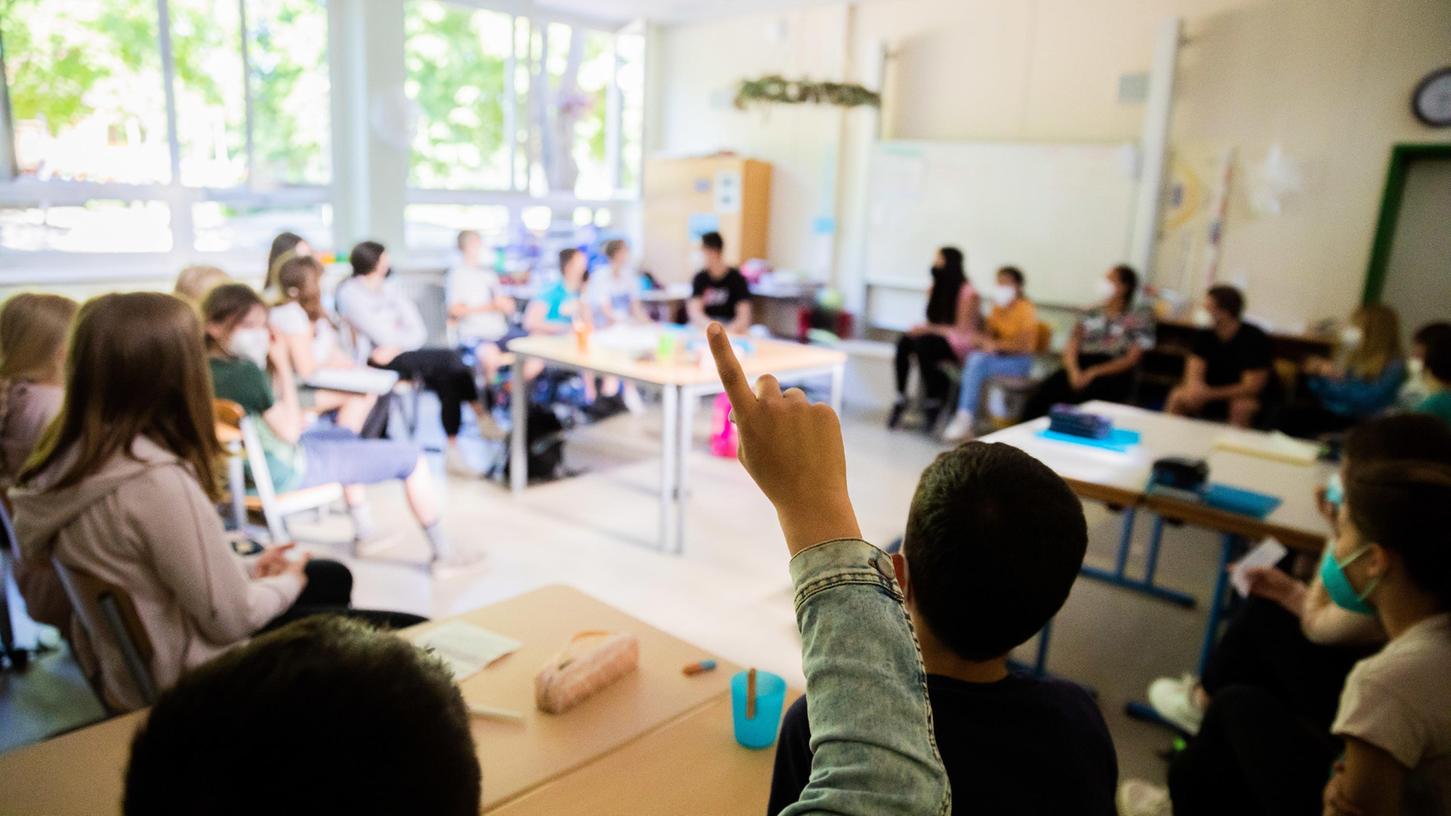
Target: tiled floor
point(729, 593)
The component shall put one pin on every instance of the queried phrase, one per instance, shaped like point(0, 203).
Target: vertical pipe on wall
point(1154, 146)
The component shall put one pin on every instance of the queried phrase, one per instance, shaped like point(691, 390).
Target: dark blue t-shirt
point(1023, 746)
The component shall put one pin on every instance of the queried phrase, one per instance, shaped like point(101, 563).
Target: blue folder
point(1119, 440)
point(1240, 500)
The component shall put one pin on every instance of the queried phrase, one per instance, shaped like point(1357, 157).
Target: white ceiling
point(672, 11)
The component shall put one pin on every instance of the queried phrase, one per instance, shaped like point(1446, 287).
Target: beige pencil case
point(588, 663)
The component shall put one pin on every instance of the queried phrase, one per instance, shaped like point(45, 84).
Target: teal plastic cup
point(760, 731)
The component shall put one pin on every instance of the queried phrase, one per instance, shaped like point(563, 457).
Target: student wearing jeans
point(240, 346)
point(994, 542)
point(416, 749)
point(124, 488)
point(1102, 355)
point(1004, 350)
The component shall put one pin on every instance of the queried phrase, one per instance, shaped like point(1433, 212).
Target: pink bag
point(723, 439)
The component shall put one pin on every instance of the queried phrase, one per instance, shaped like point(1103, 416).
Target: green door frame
point(1402, 156)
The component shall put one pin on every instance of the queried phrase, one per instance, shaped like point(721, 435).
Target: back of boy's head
point(323, 716)
point(994, 542)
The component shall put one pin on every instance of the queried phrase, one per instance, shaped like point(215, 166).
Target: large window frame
point(20, 191)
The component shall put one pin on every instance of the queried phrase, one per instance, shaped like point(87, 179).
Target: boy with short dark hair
point(994, 542)
point(719, 292)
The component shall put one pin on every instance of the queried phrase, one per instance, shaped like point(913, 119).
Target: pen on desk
point(698, 667)
point(506, 714)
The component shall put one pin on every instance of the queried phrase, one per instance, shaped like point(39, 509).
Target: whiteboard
point(1062, 213)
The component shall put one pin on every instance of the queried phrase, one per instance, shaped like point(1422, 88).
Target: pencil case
point(589, 662)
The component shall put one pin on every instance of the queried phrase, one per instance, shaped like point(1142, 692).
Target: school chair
point(274, 507)
point(108, 615)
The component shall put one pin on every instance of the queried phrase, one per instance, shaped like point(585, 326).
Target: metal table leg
point(1119, 575)
point(669, 470)
point(838, 380)
point(519, 433)
point(686, 434)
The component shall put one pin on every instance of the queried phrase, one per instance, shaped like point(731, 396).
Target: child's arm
point(872, 735)
point(1367, 782)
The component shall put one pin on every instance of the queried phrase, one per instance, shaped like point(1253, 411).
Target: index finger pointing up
point(731, 376)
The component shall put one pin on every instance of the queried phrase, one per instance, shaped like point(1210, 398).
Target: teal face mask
point(1337, 584)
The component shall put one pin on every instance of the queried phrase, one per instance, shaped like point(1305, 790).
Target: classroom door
point(1418, 271)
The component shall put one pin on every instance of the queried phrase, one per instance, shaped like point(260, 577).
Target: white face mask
point(1003, 294)
point(1414, 367)
point(250, 344)
point(1202, 318)
point(1351, 336)
point(1106, 289)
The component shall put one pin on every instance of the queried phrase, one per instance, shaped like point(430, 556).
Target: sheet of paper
point(1275, 446)
point(466, 648)
point(356, 380)
point(1267, 554)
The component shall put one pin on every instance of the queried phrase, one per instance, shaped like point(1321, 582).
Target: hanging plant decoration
point(774, 88)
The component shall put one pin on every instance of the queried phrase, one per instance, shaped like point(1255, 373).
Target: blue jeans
point(333, 454)
point(980, 367)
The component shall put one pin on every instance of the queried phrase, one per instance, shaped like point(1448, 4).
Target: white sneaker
point(959, 429)
point(1173, 699)
point(456, 464)
point(1138, 797)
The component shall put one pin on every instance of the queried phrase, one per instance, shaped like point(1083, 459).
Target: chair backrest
point(1043, 341)
point(233, 415)
point(108, 615)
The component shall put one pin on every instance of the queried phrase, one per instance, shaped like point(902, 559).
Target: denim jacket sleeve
point(871, 726)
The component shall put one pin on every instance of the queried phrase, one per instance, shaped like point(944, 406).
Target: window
point(130, 136)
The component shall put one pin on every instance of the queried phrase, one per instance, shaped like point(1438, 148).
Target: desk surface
point(1120, 477)
point(770, 357)
point(82, 772)
point(648, 776)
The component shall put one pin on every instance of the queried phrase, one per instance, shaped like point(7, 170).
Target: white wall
point(1329, 81)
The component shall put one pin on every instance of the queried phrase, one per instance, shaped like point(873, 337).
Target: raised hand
point(792, 449)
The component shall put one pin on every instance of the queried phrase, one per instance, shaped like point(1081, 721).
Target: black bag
point(544, 447)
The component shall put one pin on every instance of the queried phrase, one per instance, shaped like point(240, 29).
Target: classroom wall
point(1329, 82)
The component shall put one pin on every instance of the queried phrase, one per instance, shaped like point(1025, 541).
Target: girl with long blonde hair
point(1362, 383)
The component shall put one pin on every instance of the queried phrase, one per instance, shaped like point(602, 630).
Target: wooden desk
point(649, 777)
point(682, 383)
point(82, 773)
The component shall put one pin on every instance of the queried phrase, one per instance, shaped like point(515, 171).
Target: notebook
point(353, 380)
point(464, 647)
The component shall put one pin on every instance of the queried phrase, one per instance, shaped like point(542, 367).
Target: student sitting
point(1103, 353)
point(614, 288)
point(994, 542)
point(719, 292)
point(1364, 384)
point(1004, 350)
point(285, 247)
point(561, 306)
point(952, 320)
point(34, 331)
point(392, 335)
point(123, 487)
point(311, 340)
point(401, 725)
point(239, 348)
point(194, 282)
point(478, 305)
point(1229, 368)
point(1437, 373)
point(1392, 732)
point(1415, 389)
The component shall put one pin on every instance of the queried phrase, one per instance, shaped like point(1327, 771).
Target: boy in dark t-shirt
point(719, 292)
point(1230, 367)
point(994, 542)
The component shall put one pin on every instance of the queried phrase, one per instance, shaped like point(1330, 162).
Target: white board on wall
point(1062, 213)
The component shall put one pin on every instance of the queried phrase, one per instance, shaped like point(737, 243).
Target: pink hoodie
point(142, 523)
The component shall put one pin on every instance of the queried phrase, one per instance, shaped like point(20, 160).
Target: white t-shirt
point(291, 319)
point(471, 286)
point(1399, 700)
point(381, 317)
point(606, 288)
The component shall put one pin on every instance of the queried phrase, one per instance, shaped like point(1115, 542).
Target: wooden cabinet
point(685, 198)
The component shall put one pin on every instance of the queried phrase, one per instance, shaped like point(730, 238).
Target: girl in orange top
point(1005, 349)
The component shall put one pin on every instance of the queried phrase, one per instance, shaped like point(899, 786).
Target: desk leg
point(1118, 576)
point(688, 402)
point(838, 387)
point(669, 439)
point(519, 434)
